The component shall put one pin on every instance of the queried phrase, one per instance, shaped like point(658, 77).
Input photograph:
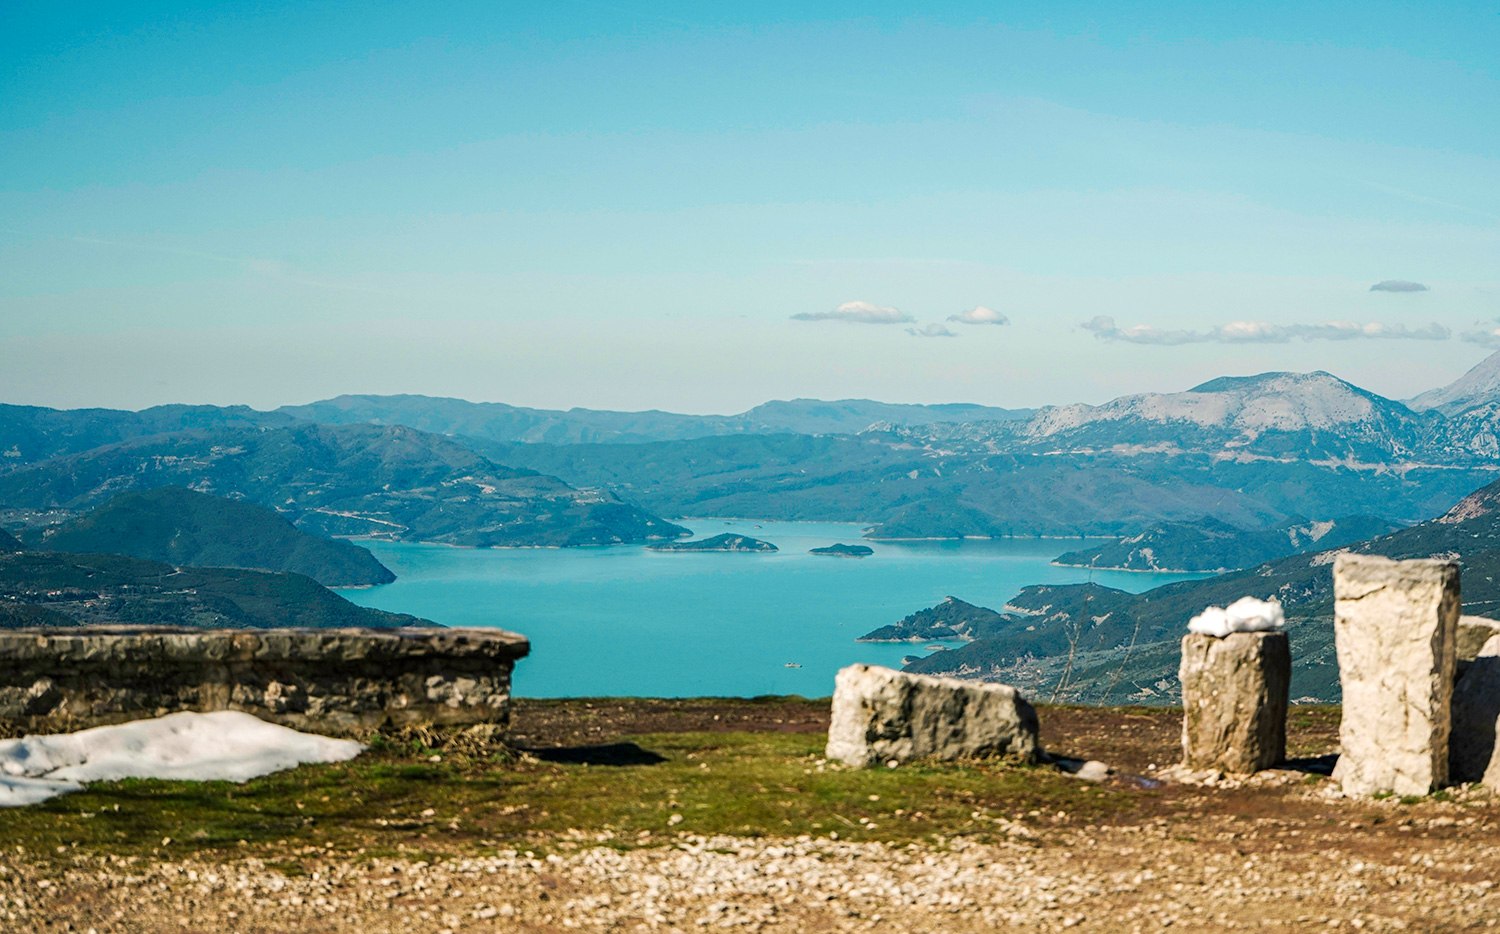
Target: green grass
point(396, 801)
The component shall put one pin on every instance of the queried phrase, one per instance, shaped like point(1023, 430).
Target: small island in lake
point(844, 551)
point(725, 542)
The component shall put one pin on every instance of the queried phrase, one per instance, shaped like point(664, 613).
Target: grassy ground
point(627, 773)
point(395, 800)
point(634, 814)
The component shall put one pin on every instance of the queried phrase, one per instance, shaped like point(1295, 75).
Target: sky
point(700, 207)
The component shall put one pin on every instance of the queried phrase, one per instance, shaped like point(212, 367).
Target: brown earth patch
point(1282, 851)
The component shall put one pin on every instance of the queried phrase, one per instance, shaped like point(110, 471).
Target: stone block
point(880, 715)
point(1234, 699)
point(1395, 630)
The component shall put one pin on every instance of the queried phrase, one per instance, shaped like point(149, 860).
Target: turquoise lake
point(625, 621)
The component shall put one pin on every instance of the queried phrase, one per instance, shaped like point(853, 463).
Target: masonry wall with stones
point(340, 682)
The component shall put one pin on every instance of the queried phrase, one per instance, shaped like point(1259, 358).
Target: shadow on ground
point(599, 754)
point(1312, 765)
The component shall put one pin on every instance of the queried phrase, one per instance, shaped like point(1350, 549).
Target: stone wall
point(344, 682)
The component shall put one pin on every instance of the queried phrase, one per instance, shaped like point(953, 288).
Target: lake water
point(625, 621)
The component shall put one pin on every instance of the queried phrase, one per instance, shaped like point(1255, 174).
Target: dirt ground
point(1129, 737)
point(1282, 852)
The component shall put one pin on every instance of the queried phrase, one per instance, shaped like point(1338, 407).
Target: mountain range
point(1089, 643)
point(185, 528)
point(390, 482)
point(495, 421)
point(1275, 472)
point(1252, 452)
point(1255, 453)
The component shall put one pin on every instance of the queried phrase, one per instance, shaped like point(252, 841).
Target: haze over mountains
point(496, 421)
point(1254, 452)
point(1273, 473)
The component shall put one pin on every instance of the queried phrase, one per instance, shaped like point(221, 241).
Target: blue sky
point(624, 205)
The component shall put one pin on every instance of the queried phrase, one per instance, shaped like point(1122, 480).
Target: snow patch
point(1246, 614)
point(226, 745)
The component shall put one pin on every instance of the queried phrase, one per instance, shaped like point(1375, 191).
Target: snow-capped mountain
point(1479, 386)
point(1313, 416)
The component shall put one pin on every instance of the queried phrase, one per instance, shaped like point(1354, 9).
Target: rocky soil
point(1283, 852)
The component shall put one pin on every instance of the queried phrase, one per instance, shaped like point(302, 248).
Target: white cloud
point(1349, 330)
point(931, 330)
point(1104, 328)
point(980, 315)
point(1398, 285)
point(1486, 335)
point(858, 313)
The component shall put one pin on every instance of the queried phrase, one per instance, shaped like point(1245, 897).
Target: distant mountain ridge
point(497, 421)
point(1252, 451)
point(186, 528)
point(1210, 545)
point(59, 589)
point(29, 433)
point(351, 480)
point(1268, 414)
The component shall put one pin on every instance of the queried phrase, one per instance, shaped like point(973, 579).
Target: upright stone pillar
point(1473, 754)
point(1234, 697)
point(1395, 628)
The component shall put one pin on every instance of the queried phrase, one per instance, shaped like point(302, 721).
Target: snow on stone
point(225, 745)
point(1246, 614)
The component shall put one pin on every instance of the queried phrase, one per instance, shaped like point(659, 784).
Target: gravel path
point(1231, 875)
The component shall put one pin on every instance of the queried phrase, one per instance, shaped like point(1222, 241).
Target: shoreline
point(1094, 567)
